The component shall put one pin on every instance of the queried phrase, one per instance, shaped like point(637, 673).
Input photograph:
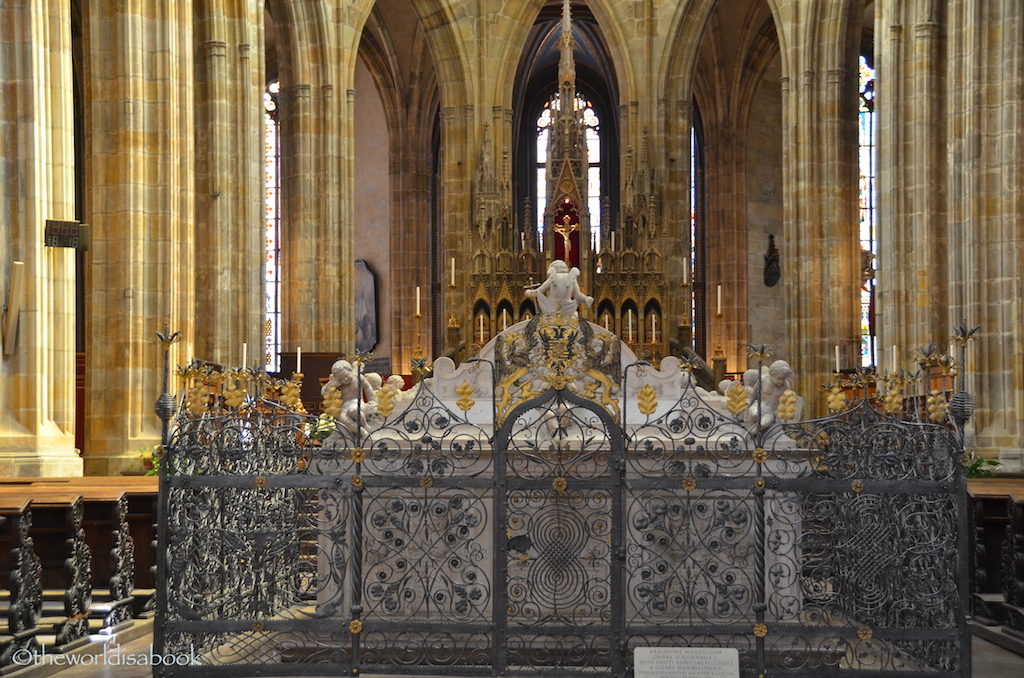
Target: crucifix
point(565, 229)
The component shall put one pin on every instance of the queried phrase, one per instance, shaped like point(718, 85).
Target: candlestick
point(837, 358)
point(453, 271)
point(719, 311)
point(417, 301)
point(298, 359)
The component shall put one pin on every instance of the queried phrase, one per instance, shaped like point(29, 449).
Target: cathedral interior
point(268, 178)
point(280, 181)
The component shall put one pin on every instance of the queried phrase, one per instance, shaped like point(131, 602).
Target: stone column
point(139, 199)
point(986, 215)
point(229, 179)
point(912, 245)
point(37, 373)
point(820, 246)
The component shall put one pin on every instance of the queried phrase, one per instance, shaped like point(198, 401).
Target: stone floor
point(990, 661)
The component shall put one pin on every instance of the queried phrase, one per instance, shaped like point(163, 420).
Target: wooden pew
point(142, 494)
point(59, 540)
point(21, 574)
point(997, 544)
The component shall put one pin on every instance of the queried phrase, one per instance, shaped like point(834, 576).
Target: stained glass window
point(592, 126)
point(867, 131)
point(272, 226)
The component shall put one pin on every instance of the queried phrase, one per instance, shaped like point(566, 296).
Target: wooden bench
point(142, 495)
point(997, 544)
point(59, 540)
point(21, 575)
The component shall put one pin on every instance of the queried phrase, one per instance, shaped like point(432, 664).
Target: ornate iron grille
point(560, 543)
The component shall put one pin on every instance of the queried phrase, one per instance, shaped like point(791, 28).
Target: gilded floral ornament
point(234, 395)
point(836, 399)
point(759, 353)
point(892, 401)
point(465, 393)
point(689, 484)
point(759, 483)
point(647, 400)
point(760, 455)
point(355, 627)
point(260, 482)
point(760, 630)
point(864, 633)
point(737, 396)
point(357, 481)
point(386, 401)
point(332, 402)
point(857, 486)
point(358, 455)
point(257, 627)
point(937, 406)
point(426, 482)
point(559, 484)
point(197, 400)
point(786, 411)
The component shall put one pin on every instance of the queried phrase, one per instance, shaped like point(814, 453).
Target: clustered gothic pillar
point(37, 374)
point(985, 220)
point(139, 167)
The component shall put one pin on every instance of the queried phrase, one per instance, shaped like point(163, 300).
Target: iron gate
point(560, 543)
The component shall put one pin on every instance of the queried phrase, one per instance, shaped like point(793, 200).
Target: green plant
point(981, 467)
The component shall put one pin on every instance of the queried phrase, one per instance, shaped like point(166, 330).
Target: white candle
point(894, 357)
point(453, 271)
point(504, 319)
point(522, 241)
point(629, 325)
point(245, 353)
point(298, 360)
point(481, 319)
point(719, 311)
point(417, 301)
point(686, 274)
point(837, 357)
point(654, 328)
point(613, 241)
point(604, 321)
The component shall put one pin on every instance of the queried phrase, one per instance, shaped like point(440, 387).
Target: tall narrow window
point(696, 273)
point(272, 270)
point(866, 125)
point(593, 135)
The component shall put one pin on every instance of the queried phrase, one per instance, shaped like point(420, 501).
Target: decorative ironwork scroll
point(565, 538)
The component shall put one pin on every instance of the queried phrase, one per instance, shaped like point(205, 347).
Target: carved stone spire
point(567, 218)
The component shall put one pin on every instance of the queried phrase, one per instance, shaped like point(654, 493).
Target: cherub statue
point(774, 382)
point(344, 389)
point(560, 293)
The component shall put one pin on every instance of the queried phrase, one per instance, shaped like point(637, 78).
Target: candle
point(894, 357)
point(604, 321)
point(245, 353)
point(481, 319)
point(837, 357)
point(686, 274)
point(504, 319)
point(298, 360)
point(654, 328)
point(417, 301)
point(453, 271)
point(629, 325)
point(719, 311)
point(613, 241)
point(522, 241)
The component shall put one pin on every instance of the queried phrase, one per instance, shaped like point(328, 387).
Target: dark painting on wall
point(366, 307)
